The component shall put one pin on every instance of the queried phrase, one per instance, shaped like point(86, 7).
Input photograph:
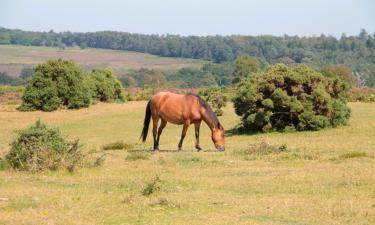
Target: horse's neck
point(206, 118)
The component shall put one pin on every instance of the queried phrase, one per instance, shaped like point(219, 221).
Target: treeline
point(210, 74)
point(357, 52)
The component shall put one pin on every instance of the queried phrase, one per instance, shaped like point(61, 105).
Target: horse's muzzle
point(220, 148)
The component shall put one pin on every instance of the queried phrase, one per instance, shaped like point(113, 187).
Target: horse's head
point(218, 137)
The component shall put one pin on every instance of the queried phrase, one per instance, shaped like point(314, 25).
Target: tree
point(339, 71)
point(244, 66)
point(56, 83)
point(282, 97)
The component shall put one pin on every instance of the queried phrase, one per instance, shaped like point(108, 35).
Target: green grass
point(15, 57)
point(117, 145)
point(299, 185)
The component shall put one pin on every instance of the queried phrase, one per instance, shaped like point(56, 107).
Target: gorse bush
point(56, 83)
point(105, 86)
point(39, 147)
point(284, 98)
point(216, 97)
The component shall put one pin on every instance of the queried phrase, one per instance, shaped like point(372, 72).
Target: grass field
point(325, 177)
point(15, 57)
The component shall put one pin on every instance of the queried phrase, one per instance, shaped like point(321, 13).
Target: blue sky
point(192, 17)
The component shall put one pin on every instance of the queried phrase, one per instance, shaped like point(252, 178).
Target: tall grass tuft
point(152, 186)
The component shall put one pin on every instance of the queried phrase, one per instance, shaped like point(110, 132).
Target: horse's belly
point(175, 119)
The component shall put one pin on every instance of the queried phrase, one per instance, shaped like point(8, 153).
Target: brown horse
point(185, 110)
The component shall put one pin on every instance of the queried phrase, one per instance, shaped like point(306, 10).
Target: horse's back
point(175, 108)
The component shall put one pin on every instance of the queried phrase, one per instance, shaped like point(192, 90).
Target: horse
point(182, 110)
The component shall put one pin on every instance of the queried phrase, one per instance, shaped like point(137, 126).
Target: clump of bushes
point(105, 86)
point(216, 97)
point(40, 147)
point(62, 83)
point(287, 98)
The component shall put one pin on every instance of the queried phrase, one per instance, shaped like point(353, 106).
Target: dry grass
point(13, 58)
point(300, 186)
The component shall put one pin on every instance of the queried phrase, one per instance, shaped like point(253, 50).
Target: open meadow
point(15, 57)
point(324, 177)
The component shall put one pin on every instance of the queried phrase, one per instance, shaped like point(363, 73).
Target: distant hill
point(15, 57)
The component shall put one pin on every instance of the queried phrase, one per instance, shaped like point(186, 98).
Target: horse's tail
point(146, 122)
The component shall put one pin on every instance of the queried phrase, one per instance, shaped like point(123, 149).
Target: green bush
point(282, 97)
point(39, 147)
point(216, 97)
point(105, 86)
point(56, 83)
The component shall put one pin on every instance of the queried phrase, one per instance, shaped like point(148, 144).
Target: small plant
point(39, 147)
point(151, 187)
point(99, 160)
point(118, 145)
point(192, 160)
point(134, 156)
point(4, 164)
point(261, 149)
point(350, 155)
point(164, 202)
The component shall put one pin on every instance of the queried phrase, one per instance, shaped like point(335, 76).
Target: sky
point(192, 17)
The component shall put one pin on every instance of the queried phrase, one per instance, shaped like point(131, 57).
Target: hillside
point(15, 57)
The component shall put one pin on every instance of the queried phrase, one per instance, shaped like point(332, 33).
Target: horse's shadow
point(238, 132)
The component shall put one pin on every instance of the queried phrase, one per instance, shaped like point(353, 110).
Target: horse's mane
point(211, 113)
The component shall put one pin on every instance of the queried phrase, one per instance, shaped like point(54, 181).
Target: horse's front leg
point(197, 127)
point(184, 130)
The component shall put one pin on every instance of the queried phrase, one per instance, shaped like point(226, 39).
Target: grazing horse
point(183, 110)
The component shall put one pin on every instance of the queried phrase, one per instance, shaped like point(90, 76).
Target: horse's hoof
point(179, 149)
point(156, 149)
point(198, 148)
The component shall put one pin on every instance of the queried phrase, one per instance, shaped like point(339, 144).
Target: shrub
point(216, 97)
point(39, 147)
point(297, 97)
point(144, 94)
point(105, 86)
point(56, 83)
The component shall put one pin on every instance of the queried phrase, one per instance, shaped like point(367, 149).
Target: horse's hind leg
point(184, 129)
point(155, 120)
point(197, 126)
point(160, 130)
